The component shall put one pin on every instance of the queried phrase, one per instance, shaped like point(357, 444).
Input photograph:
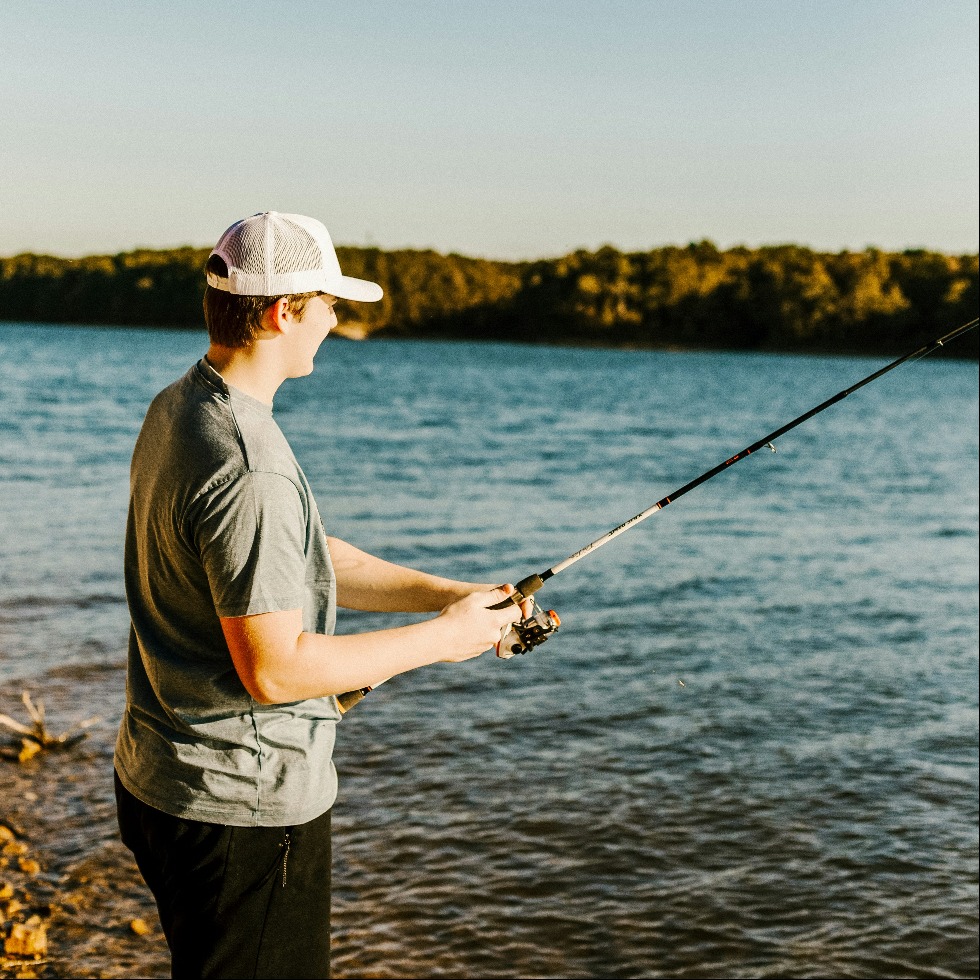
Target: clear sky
point(495, 128)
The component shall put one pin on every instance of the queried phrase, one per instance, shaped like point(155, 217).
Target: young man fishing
point(224, 777)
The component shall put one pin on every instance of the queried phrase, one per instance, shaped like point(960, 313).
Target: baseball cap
point(273, 254)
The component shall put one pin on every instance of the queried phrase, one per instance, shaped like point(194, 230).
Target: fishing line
point(535, 629)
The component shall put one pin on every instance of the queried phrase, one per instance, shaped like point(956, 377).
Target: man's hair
point(233, 320)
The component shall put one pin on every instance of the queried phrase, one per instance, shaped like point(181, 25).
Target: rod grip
point(347, 701)
point(526, 587)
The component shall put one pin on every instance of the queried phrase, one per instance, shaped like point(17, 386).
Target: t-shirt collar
point(216, 382)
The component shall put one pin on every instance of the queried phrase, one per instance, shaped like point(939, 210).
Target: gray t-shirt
point(222, 522)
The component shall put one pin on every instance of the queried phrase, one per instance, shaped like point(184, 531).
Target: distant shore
point(785, 298)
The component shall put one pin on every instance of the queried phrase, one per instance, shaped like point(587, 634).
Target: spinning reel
point(528, 633)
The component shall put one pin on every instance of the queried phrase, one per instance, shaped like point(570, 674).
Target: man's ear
point(277, 316)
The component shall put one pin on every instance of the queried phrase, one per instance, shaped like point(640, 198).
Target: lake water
point(751, 750)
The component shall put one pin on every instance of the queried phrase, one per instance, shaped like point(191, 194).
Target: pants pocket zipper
point(285, 855)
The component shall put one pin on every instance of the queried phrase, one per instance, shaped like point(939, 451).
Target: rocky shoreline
point(40, 918)
point(72, 903)
point(25, 910)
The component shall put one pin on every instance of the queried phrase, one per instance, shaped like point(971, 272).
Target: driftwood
point(36, 737)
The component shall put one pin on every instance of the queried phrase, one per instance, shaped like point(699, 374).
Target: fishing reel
point(528, 633)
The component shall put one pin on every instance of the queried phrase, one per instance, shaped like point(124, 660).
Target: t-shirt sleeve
point(251, 536)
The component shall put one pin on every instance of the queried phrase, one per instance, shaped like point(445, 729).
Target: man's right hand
point(479, 627)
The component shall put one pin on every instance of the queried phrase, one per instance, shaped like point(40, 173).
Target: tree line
point(780, 297)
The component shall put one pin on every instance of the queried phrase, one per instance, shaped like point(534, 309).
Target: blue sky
point(500, 129)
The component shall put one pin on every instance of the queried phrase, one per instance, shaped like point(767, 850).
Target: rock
point(29, 866)
point(14, 905)
point(28, 749)
point(28, 940)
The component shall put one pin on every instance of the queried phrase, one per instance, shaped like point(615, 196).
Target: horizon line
point(539, 258)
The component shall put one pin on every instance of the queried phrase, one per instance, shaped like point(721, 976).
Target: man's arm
point(278, 662)
point(374, 585)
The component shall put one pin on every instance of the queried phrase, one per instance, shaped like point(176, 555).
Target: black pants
point(235, 902)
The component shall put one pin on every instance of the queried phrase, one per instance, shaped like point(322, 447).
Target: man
point(224, 778)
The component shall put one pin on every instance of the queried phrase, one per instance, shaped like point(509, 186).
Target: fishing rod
point(536, 628)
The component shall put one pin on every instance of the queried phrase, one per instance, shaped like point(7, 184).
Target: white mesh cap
point(272, 254)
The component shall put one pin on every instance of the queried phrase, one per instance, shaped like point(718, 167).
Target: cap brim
point(361, 290)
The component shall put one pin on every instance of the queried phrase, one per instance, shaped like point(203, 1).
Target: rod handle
point(526, 587)
point(347, 701)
